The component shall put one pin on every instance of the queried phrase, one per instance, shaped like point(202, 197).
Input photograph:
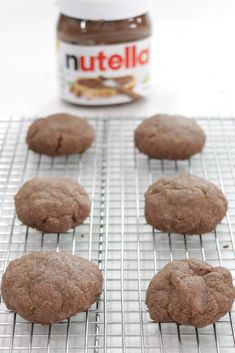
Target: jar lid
point(106, 10)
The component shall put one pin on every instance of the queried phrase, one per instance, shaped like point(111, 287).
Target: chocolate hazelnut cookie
point(184, 204)
point(49, 287)
point(190, 292)
point(60, 134)
point(52, 205)
point(169, 137)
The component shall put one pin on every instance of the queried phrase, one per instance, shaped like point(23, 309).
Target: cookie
point(169, 137)
point(52, 205)
point(60, 134)
point(49, 287)
point(184, 204)
point(190, 292)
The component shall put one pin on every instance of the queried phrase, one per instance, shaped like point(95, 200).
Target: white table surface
point(193, 60)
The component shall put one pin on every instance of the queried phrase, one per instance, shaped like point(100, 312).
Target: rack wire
point(117, 238)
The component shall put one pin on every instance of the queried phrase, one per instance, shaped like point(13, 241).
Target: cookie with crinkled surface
point(190, 292)
point(52, 205)
point(60, 134)
point(170, 137)
point(50, 287)
point(184, 204)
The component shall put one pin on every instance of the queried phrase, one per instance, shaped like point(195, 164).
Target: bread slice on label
point(96, 87)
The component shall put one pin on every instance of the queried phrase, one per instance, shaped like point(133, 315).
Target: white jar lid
point(107, 10)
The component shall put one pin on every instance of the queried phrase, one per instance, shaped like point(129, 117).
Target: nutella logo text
point(129, 59)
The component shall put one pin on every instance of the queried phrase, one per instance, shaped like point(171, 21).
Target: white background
point(193, 60)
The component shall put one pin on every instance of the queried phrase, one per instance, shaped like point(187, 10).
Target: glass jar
point(104, 51)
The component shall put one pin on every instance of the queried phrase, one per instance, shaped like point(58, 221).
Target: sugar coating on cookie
point(50, 287)
point(53, 204)
point(170, 137)
point(184, 204)
point(60, 134)
point(190, 292)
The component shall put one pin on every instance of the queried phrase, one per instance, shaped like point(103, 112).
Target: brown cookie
point(169, 137)
point(184, 204)
point(190, 292)
point(60, 134)
point(50, 287)
point(52, 205)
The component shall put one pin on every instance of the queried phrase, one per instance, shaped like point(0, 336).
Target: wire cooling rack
point(117, 238)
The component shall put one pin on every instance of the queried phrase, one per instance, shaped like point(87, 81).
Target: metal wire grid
point(116, 237)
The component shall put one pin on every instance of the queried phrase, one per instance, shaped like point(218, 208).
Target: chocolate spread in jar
point(110, 44)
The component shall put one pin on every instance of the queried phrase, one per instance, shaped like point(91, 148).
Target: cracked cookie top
point(60, 134)
point(170, 137)
point(184, 204)
point(50, 287)
point(190, 292)
point(52, 204)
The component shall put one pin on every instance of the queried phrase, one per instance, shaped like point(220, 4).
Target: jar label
point(104, 75)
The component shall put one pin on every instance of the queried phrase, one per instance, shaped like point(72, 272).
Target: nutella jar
point(104, 51)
